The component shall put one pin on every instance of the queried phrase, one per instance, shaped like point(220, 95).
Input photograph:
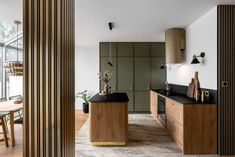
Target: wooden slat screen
point(226, 72)
point(49, 110)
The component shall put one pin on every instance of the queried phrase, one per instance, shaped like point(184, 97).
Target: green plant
point(83, 95)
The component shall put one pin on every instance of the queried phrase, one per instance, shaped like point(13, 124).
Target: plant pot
point(85, 107)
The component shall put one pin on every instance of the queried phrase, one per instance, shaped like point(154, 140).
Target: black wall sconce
point(162, 66)
point(195, 60)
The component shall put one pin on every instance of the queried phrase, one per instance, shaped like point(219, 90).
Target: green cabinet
point(158, 76)
point(125, 73)
point(142, 101)
point(105, 49)
point(157, 49)
point(136, 70)
point(124, 49)
point(125, 78)
point(142, 49)
point(142, 73)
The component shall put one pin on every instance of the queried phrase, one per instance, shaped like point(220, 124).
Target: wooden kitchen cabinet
point(153, 103)
point(193, 126)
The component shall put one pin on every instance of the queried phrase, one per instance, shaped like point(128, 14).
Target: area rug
point(146, 138)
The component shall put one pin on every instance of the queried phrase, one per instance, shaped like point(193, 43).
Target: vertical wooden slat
point(226, 64)
point(49, 78)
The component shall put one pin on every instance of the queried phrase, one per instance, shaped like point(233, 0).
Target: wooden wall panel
point(49, 111)
point(226, 75)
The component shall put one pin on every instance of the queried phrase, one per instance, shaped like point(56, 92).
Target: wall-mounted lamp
point(195, 60)
point(162, 66)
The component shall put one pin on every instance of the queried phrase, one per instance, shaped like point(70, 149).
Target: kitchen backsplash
point(180, 89)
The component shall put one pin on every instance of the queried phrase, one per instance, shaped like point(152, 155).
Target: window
point(8, 52)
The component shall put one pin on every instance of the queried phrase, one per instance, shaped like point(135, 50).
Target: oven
point(161, 110)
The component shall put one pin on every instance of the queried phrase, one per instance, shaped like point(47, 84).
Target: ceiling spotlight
point(110, 25)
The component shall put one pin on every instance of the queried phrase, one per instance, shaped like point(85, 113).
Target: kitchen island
point(108, 119)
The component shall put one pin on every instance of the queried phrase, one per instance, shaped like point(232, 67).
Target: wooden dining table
point(10, 107)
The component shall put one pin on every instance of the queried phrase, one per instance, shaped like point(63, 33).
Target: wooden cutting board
point(191, 89)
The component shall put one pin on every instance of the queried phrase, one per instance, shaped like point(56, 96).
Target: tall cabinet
point(136, 70)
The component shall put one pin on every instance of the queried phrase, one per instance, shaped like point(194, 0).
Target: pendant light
point(15, 68)
point(110, 46)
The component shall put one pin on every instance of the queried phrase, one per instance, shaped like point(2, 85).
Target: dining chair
point(6, 117)
point(4, 129)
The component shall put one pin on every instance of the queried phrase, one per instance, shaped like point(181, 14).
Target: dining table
point(10, 107)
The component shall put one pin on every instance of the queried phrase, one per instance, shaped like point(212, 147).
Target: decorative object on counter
point(195, 60)
point(15, 68)
point(197, 87)
point(202, 96)
point(106, 78)
point(167, 88)
point(191, 89)
point(85, 97)
point(18, 99)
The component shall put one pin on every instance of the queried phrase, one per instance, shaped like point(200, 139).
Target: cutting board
point(191, 89)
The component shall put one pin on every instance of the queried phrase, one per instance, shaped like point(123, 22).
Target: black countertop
point(183, 99)
point(114, 97)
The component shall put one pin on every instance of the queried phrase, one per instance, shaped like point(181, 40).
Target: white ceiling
point(135, 20)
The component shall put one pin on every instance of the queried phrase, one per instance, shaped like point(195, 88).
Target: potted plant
point(85, 97)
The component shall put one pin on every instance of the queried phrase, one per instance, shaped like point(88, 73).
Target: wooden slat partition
point(226, 75)
point(49, 111)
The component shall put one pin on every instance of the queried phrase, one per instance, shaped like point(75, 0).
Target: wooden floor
point(17, 151)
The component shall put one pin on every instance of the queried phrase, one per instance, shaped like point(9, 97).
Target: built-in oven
point(161, 110)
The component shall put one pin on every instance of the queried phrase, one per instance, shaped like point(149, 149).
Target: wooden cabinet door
point(104, 66)
point(142, 73)
point(142, 49)
point(105, 49)
point(158, 76)
point(125, 73)
point(142, 101)
point(177, 111)
point(125, 49)
point(153, 103)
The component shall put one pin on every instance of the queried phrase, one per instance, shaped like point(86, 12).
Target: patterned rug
point(146, 138)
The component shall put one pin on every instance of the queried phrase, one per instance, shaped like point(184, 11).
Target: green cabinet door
point(104, 66)
point(157, 49)
point(142, 73)
point(105, 49)
point(142, 49)
point(125, 49)
point(142, 101)
point(125, 78)
point(158, 76)
point(125, 73)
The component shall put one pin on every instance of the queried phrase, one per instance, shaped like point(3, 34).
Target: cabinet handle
point(132, 86)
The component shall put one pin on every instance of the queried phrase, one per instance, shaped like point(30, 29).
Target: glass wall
point(10, 85)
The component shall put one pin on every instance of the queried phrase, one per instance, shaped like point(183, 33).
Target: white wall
point(86, 69)
point(15, 86)
point(201, 36)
